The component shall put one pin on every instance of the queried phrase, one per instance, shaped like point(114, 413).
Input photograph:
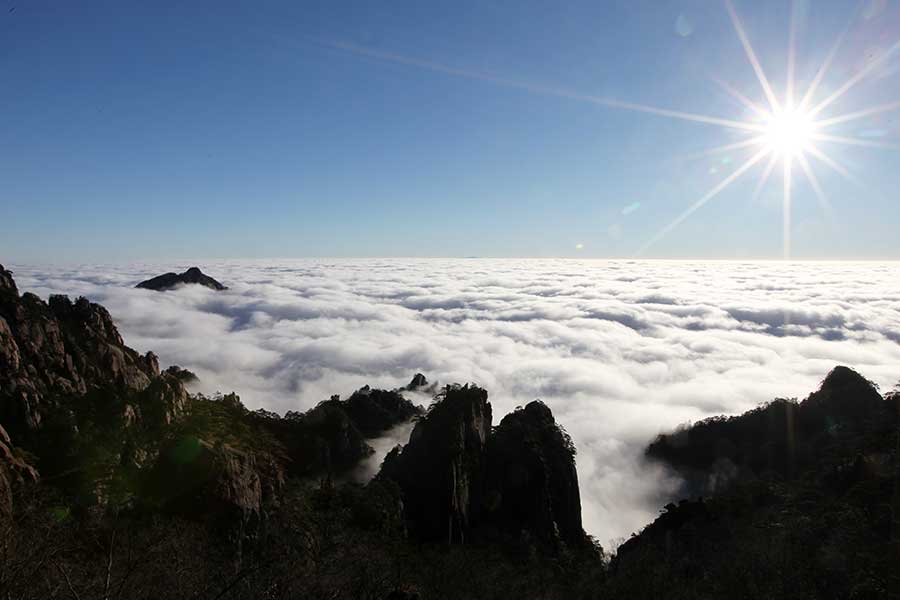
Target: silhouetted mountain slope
point(193, 276)
point(805, 503)
point(462, 479)
point(532, 484)
point(781, 437)
point(442, 470)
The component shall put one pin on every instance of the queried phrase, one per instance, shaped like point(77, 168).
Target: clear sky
point(149, 130)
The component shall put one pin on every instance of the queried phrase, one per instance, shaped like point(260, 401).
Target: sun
point(789, 133)
point(786, 128)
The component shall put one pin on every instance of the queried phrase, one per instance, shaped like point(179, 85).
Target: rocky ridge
point(168, 281)
point(789, 500)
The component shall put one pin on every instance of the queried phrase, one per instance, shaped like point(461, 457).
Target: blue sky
point(223, 129)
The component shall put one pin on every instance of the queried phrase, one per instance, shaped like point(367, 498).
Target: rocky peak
point(375, 411)
point(441, 470)
point(418, 381)
point(193, 276)
point(459, 478)
point(532, 481)
point(7, 285)
point(845, 399)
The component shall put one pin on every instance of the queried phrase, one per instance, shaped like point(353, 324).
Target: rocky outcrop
point(331, 437)
point(227, 486)
point(417, 382)
point(375, 411)
point(845, 400)
point(332, 440)
point(194, 475)
point(193, 276)
point(460, 479)
point(163, 401)
point(441, 471)
point(14, 471)
point(58, 349)
point(532, 483)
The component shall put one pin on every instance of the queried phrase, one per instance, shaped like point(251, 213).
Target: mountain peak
point(167, 281)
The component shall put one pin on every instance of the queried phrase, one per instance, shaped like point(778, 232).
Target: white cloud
point(620, 350)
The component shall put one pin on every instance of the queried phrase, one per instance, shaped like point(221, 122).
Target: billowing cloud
point(620, 350)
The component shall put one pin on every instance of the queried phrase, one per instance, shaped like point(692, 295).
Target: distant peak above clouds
point(168, 281)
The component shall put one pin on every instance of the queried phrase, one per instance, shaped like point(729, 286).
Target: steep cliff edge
point(442, 470)
point(462, 480)
point(59, 349)
point(532, 484)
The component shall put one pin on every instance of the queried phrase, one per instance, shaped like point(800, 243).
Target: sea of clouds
point(620, 350)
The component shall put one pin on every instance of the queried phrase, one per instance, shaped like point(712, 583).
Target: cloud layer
point(620, 350)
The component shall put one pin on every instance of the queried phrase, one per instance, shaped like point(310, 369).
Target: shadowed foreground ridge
point(790, 500)
point(193, 276)
point(462, 479)
point(116, 481)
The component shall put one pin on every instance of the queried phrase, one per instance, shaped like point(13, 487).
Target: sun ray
point(528, 86)
point(767, 172)
point(875, 110)
point(817, 188)
point(664, 112)
point(792, 57)
point(820, 74)
point(754, 141)
point(751, 56)
point(786, 209)
point(851, 141)
point(788, 132)
point(759, 110)
point(853, 81)
point(706, 198)
point(834, 165)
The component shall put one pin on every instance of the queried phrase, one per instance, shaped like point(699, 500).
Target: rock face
point(417, 382)
point(461, 479)
point(442, 469)
point(13, 471)
point(168, 281)
point(50, 350)
point(532, 482)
